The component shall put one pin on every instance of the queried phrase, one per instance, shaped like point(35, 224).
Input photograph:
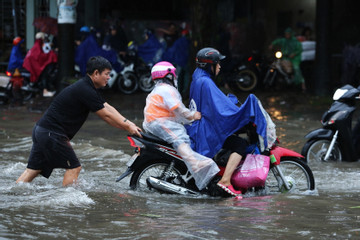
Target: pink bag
point(252, 172)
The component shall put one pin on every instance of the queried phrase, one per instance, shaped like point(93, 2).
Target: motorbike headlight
point(278, 54)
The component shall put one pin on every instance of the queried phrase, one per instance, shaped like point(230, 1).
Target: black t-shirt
point(69, 110)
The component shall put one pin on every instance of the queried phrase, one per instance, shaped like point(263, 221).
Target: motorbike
point(136, 74)
point(18, 86)
point(243, 75)
point(336, 141)
point(126, 80)
point(248, 71)
point(280, 70)
point(142, 70)
point(156, 166)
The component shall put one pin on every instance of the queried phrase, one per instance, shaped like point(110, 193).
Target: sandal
point(229, 189)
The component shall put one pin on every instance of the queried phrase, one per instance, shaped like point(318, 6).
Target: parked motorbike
point(156, 166)
point(126, 80)
point(243, 75)
point(135, 74)
point(336, 141)
point(142, 70)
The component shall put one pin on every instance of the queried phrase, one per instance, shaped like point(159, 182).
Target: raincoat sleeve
point(173, 101)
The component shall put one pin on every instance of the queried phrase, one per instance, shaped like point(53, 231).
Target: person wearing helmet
point(164, 114)
point(221, 117)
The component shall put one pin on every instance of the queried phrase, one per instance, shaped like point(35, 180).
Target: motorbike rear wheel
point(128, 82)
point(315, 151)
point(246, 80)
point(158, 169)
point(297, 174)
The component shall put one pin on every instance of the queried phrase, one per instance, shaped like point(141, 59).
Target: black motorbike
point(243, 75)
point(336, 141)
point(156, 166)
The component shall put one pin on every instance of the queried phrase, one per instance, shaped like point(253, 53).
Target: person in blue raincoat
point(221, 117)
point(16, 57)
point(89, 47)
point(151, 50)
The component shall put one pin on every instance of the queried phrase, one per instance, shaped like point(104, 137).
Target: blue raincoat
point(220, 116)
point(89, 48)
point(151, 50)
point(178, 53)
point(16, 57)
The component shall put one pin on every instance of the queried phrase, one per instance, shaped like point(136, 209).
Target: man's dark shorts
point(51, 150)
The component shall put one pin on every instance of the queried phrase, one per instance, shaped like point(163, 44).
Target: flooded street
point(100, 208)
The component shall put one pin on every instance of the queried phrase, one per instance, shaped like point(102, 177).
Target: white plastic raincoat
point(165, 115)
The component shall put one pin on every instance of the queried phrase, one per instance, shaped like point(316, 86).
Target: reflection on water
point(100, 208)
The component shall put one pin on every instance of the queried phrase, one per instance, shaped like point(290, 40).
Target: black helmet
point(208, 56)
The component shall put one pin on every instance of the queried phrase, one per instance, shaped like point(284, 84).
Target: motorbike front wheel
point(315, 151)
point(246, 80)
point(296, 173)
point(128, 82)
point(158, 169)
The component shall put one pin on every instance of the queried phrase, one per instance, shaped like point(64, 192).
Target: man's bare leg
point(71, 176)
point(28, 175)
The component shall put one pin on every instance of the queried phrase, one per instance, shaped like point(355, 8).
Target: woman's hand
point(197, 116)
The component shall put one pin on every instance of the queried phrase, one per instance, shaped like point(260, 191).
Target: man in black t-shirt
point(63, 119)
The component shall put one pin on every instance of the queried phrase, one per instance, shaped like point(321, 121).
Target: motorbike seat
point(153, 138)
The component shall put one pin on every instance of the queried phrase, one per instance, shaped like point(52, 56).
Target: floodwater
point(100, 208)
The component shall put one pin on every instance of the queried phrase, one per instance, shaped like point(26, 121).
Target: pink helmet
point(162, 69)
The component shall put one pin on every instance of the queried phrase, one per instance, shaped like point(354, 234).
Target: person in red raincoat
point(37, 59)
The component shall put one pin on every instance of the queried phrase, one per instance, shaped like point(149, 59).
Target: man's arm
point(110, 115)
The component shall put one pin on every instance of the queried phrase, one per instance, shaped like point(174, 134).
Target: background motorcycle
point(336, 141)
point(279, 71)
point(258, 70)
point(142, 70)
point(156, 166)
point(135, 74)
point(20, 88)
point(243, 75)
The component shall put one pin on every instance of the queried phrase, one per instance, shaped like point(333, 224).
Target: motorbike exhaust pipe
point(169, 187)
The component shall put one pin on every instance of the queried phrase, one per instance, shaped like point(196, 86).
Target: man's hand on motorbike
point(134, 130)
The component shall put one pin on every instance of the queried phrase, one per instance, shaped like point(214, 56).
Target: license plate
point(132, 159)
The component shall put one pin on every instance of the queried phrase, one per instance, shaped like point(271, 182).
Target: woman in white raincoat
point(164, 116)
